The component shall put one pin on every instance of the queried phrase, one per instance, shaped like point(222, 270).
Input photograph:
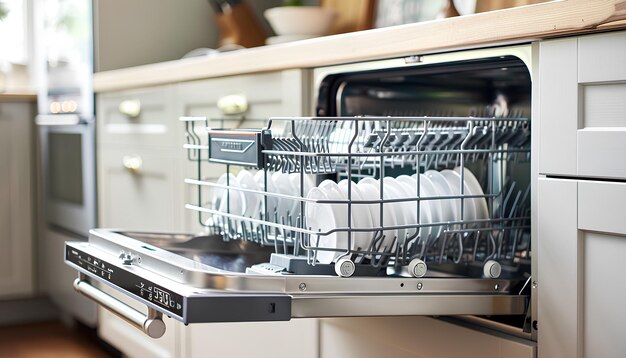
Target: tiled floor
point(48, 340)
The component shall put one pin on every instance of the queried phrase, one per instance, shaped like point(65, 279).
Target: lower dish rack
point(452, 196)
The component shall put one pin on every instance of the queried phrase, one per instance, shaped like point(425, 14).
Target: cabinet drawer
point(141, 117)
point(582, 106)
point(140, 198)
point(601, 207)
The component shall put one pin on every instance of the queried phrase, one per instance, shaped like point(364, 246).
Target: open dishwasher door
point(168, 274)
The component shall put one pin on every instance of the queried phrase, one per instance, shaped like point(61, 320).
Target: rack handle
point(151, 324)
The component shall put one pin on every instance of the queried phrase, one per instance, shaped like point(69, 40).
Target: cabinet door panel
point(603, 300)
point(296, 338)
point(16, 222)
point(145, 199)
point(601, 206)
point(558, 106)
point(602, 57)
point(155, 124)
point(414, 337)
point(557, 268)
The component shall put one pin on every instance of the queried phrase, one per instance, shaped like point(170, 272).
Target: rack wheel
point(417, 268)
point(344, 267)
point(492, 269)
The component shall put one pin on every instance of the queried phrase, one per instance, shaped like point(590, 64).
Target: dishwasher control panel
point(156, 294)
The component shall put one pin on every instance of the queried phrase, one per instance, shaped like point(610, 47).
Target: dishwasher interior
point(409, 194)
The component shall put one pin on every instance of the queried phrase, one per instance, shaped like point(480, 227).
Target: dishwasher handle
point(151, 324)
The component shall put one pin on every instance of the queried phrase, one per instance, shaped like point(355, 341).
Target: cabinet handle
point(132, 163)
point(233, 104)
point(151, 324)
point(130, 107)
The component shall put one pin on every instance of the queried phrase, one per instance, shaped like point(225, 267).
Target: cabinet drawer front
point(142, 117)
point(582, 106)
point(602, 57)
point(601, 207)
point(142, 197)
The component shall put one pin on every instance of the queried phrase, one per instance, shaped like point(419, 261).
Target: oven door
point(68, 167)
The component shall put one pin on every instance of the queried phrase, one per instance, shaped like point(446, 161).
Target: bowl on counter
point(301, 20)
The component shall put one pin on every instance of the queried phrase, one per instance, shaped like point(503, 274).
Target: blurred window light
point(13, 41)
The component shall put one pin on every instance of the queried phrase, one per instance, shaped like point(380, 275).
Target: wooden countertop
point(544, 20)
point(18, 97)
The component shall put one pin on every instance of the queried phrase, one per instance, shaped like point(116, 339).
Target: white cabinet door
point(414, 337)
point(296, 338)
point(129, 340)
point(145, 198)
point(582, 106)
point(138, 117)
point(16, 188)
point(582, 245)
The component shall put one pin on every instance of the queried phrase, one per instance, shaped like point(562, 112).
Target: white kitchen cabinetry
point(583, 106)
point(582, 243)
point(16, 189)
point(139, 187)
point(139, 155)
point(581, 230)
point(414, 337)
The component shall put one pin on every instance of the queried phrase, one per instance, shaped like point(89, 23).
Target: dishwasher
point(268, 253)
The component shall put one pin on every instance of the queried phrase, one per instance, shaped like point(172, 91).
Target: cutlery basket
point(474, 230)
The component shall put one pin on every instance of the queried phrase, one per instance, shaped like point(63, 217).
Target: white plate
point(392, 191)
point(361, 216)
point(370, 190)
point(482, 211)
point(282, 185)
point(442, 187)
point(254, 202)
point(309, 183)
point(429, 212)
point(454, 180)
point(321, 217)
point(237, 200)
point(272, 202)
point(338, 240)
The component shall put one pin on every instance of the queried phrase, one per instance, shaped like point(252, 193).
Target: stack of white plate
point(250, 204)
point(434, 213)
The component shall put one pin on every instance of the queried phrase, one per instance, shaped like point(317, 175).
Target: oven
point(340, 215)
point(68, 172)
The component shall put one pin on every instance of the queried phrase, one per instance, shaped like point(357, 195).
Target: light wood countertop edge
point(542, 20)
point(18, 97)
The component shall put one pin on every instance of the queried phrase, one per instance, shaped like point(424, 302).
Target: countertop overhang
point(521, 24)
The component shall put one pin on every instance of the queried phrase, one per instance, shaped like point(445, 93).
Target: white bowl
point(300, 20)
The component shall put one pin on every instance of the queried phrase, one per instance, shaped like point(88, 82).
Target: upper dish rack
point(493, 243)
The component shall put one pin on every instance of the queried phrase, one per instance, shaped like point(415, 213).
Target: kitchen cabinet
point(139, 181)
point(414, 337)
point(137, 187)
point(582, 106)
point(139, 160)
point(582, 243)
point(16, 198)
point(581, 233)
